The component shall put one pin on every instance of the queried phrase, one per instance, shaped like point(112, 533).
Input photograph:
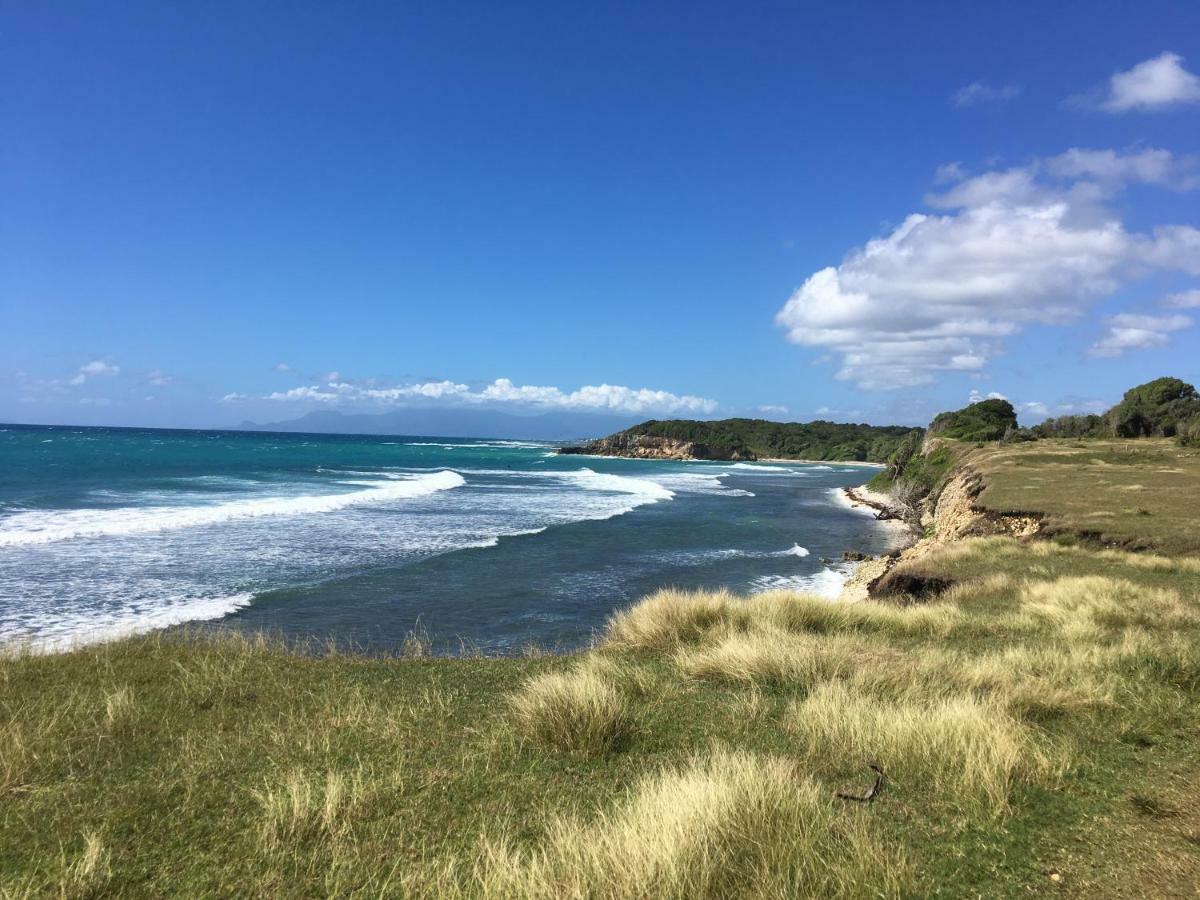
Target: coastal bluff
point(649, 446)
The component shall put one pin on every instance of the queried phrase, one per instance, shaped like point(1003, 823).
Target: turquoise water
point(487, 544)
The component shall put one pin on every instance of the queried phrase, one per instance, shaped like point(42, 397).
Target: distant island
point(749, 439)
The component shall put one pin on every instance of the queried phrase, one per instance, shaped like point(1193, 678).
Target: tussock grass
point(964, 751)
point(671, 617)
point(89, 872)
point(1096, 607)
point(726, 825)
point(771, 657)
point(304, 806)
point(578, 712)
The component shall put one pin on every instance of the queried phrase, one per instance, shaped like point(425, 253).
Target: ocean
point(487, 545)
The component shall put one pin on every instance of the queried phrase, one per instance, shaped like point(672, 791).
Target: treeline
point(819, 440)
point(1165, 407)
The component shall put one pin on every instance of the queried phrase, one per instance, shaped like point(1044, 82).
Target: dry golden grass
point(769, 656)
point(1096, 607)
point(303, 806)
point(671, 617)
point(579, 712)
point(727, 825)
point(964, 750)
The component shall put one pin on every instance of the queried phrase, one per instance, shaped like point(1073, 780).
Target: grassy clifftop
point(1036, 724)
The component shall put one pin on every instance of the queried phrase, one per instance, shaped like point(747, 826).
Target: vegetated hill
point(786, 440)
point(987, 420)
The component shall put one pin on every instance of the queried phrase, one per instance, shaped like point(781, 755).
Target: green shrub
point(987, 420)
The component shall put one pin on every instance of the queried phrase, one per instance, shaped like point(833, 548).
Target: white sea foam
point(699, 483)
point(56, 631)
point(769, 469)
point(826, 583)
point(477, 445)
point(796, 550)
point(43, 527)
point(643, 488)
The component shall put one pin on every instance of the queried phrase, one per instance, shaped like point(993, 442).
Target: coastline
point(905, 536)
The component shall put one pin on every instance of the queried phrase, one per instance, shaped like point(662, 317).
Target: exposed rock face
point(956, 517)
point(648, 446)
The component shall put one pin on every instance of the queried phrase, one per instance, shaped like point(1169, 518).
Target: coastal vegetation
point(759, 438)
point(919, 467)
point(1034, 717)
point(987, 420)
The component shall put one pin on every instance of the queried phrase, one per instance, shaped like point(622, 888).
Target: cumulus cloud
point(976, 396)
point(769, 409)
point(941, 292)
point(92, 369)
point(158, 378)
point(501, 392)
point(1158, 83)
point(1149, 166)
point(1183, 300)
point(981, 92)
point(1135, 332)
point(281, 367)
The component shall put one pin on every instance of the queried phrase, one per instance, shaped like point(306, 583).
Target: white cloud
point(769, 409)
point(502, 391)
point(949, 172)
point(93, 368)
point(99, 367)
point(281, 367)
point(1133, 332)
point(1183, 300)
point(1175, 247)
point(1149, 166)
point(1157, 83)
point(980, 92)
point(234, 398)
point(1033, 409)
point(976, 396)
point(940, 293)
point(158, 378)
point(332, 377)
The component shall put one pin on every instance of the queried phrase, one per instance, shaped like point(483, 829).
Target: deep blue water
point(495, 544)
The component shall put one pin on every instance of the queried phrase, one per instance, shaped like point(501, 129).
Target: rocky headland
point(650, 446)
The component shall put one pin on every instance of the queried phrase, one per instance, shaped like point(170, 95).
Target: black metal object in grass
point(872, 791)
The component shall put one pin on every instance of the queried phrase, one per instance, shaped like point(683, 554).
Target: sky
point(214, 212)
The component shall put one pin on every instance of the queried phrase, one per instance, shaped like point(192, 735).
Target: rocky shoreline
point(649, 446)
point(955, 517)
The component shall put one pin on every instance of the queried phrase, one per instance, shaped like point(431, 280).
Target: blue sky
point(213, 212)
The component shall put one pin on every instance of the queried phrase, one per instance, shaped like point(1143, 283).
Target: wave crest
point(44, 527)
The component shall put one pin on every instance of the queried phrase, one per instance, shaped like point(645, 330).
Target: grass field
point(1138, 494)
point(1037, 726)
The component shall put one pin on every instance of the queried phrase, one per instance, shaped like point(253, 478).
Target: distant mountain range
point(474, 423)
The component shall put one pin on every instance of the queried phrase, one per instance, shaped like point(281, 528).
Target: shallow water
point(491, 544)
